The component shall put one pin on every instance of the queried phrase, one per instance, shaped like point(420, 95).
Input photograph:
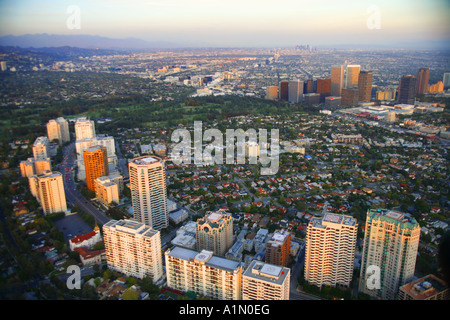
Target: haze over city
point(263, 23)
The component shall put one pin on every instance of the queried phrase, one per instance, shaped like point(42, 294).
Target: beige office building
point(264, 281)
point(133, 249)
point(148, 191)
point(330, 250)
point(389, 257)
point(48, 188)
point(203, 273)
point(215, 232)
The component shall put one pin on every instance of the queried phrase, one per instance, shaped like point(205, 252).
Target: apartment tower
point(133, 248)
point(48, 188)
point(215, 233)
point(330, 250)
point(41, 148)
point(278, 248)
point(95, 164)
point(203, 273)
point(264, 281)
point(58, 130)
point(84, 128)
point(148, 191)
point(389, 257)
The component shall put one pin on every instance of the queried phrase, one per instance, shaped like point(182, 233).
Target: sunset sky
point(259, 23)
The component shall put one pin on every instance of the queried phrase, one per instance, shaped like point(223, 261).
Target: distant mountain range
point(43, 40)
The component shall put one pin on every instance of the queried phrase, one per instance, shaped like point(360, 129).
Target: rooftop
point(146, 160)
point(205, 257)
point(267, 272)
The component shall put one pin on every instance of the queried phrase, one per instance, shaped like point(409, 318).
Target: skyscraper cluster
point(351, 83)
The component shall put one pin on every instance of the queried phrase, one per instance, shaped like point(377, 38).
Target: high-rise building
point(215, 232)
point(53, 131)
point(309, 86)
point(406, 90)
point(271, 92)
point(337, 80)
point(96, 164)
point(365, 85)
point(388, 261)
point(330, 250)
point(107, 188)
point(148, 191)
point(203, 273)
point(295, 89)
point(349, 97)
point(264, 281)
point(58, 129)
point(423, 78)
point(32, 166)
point(323, 88)
point(41, 148)
point(133, 248)
point(48, 188)
point(352, 76)
point(84, 128)
point(446, 80)
point(283, 90)
point(429, 287)
point(278, 248)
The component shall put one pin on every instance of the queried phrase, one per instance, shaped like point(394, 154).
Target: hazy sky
point(237, 22)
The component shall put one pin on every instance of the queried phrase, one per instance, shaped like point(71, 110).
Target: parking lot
point(72, 226)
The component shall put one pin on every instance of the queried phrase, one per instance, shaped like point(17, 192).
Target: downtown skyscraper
point(337, 80)
point(423, 78)
point(406, 89)
point(148, 191)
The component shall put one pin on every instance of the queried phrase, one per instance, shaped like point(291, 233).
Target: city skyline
point(236, 24)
